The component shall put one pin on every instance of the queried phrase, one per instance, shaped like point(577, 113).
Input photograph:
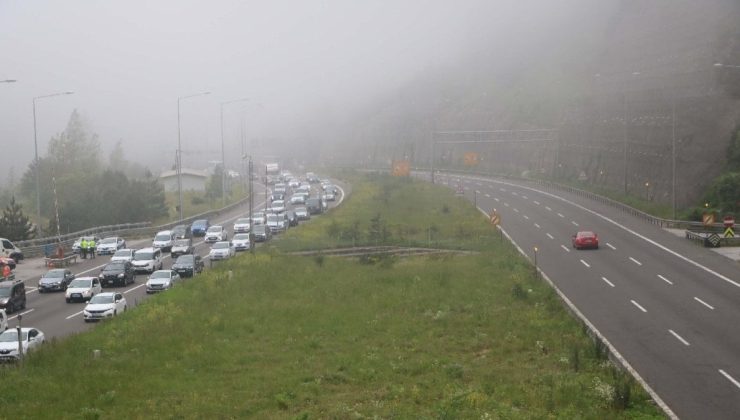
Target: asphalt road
point(50, 313)
point(670, 308)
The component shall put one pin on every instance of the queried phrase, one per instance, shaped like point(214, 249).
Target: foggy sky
point(297, 61)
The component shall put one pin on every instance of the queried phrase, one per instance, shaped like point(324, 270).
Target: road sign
point(729, 221)
point(495, 218)
point(714, 240)
point(707, 219)
point(471, 159)
point(729, 232)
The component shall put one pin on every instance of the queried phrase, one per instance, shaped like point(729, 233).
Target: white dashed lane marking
point(550, 236)
point(679, 338)
point(638, 306)
point(611, 246)
point(537, 226)
point(565, 248)
point(574, 223)
point(561, 215)
point(506, 204)
point(536, 202)
point(703, 303)
point(730, 378)
point(635, 261)
point(665, 279)
point(607, 281)
point(548, 208)
point(585, 263)
point(496, 199)
point(516, 210)
point(488, 195)
point(525, 217)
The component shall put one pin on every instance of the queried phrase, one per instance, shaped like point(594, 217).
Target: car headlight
point(120, 276)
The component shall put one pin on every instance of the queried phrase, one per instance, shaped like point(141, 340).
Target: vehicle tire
point(68, 301)
point(41, 290)
point(125, 308)
point(10, 308)
point(23, 305)
point(115, 313)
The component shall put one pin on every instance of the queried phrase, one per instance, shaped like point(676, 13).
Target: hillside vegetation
point(279, 336)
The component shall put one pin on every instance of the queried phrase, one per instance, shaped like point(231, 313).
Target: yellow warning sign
point(471, 159)
point(401, 168)
point(729, 233)
point(495, 218)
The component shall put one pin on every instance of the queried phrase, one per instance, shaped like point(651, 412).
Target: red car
point(585, 239)
point(7, 261)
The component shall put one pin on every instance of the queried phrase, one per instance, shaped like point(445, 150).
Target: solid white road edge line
point(635, 261)
point(703, 303)
point(607, 281)
point(730, 378)
point(681, 339)
point(665, 279)
point(638, 305)
point(617, 355)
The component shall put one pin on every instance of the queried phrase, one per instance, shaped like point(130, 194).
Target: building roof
point(185, 171)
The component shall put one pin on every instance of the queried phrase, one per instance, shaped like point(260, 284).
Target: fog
point(300, 63)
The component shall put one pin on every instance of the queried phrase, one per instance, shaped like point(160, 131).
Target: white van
point(7, 249)
point(147, 259)
point(164, 240)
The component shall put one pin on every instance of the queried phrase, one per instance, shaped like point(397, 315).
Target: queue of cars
point(125, 263)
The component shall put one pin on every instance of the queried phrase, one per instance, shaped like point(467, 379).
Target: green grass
point(475, 336)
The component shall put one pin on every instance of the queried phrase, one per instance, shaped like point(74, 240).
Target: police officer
point(91, 244)
point(83, 248)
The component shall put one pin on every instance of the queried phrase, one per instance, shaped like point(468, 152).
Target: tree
point(214, 189)
point(14, 225)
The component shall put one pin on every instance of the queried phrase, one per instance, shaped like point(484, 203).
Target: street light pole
point(179, 151)
point(8, 81)
point(36, 157)
point(223, 152)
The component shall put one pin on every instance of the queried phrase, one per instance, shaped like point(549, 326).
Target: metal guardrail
point(42, 246)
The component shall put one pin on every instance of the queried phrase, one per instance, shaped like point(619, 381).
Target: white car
point(240, 242)
point(104, 305)
point(147, 259)
point(302, 213)
point(125, 254)
point(83, 289)
point(278, 206)
point(3, 320)
point(242, 225)
point(161, 280)
point(216, 233)
point(258, 218)
point(31, 338)
point(164, 240)
point(298, 198)
point(222, 250)
point(328, 196)
point(277, 222)
point(110, 245)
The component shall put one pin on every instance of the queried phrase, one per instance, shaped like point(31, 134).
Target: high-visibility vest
point(91, 244)
point(83, 244)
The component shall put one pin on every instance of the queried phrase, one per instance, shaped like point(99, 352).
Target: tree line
point(89, 191)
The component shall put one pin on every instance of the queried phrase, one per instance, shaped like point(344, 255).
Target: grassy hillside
point(278, 336)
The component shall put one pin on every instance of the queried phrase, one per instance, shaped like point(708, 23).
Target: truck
point(272, 173)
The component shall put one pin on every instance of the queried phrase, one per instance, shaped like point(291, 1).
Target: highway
point(51, 314)
point(669, 307)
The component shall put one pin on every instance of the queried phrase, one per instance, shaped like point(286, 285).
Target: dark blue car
point(199, 227)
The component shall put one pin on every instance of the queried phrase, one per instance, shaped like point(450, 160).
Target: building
point(192, 180)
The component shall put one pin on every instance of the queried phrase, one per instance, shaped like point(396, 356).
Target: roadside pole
point(20, 341)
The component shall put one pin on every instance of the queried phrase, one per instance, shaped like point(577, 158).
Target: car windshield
point(114, 266)
point(241, 236)
point(143, 256)
point(300, 210)
point(182, 242)
point(4, 291)
point(221, 245)
point(10, 336)
point(82, 283)
point(102, 298)
point(243, 221)
point(214, 229)
point(54, 274)
point(185, 259)
point(586, 234)
point(160, 275)
point(122, 253)
point(163, 237)
point(273, 218)
point(258, 215)
point(259, 229)
point(200, 223)
point(109, 241)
